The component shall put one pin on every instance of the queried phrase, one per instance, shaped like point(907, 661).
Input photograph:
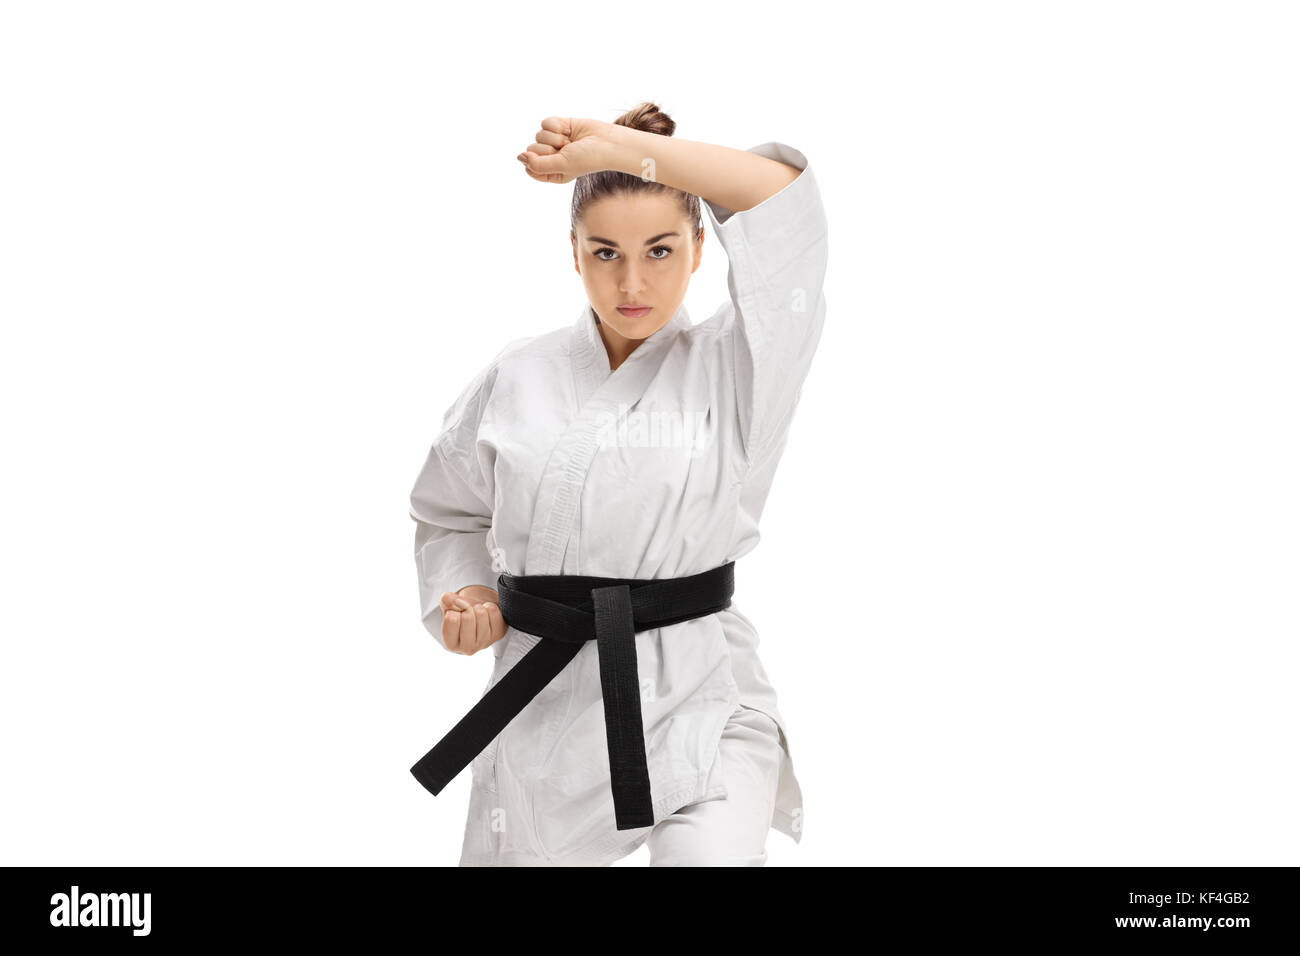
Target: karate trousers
point(728, 831)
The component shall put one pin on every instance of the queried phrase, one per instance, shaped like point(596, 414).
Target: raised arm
point(733, 179)
point(776, 257)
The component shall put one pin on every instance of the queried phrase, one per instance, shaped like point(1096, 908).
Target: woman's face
point(636, 250)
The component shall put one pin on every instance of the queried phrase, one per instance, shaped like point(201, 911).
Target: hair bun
point(649, 118)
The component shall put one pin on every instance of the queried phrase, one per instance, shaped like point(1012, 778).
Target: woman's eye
point(667, 250)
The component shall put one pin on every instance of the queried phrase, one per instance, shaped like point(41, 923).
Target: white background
point(1028, 583)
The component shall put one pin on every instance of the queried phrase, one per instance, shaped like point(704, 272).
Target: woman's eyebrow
point(651, 241)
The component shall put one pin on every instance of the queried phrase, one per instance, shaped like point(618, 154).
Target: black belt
point(566, 611)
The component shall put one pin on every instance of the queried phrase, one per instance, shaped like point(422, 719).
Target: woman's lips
point(634, 313)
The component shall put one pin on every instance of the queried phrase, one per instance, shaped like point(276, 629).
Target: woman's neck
point(617, 348)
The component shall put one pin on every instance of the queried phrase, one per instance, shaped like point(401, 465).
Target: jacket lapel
point(602, 397)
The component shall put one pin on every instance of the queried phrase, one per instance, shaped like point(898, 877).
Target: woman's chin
point(634, 329)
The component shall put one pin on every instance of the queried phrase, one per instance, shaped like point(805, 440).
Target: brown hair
point(611, 182)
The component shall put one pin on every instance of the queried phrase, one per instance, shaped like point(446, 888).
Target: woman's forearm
point(732, 178)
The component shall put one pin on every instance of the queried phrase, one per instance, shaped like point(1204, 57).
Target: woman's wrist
point(623, 154)
point(477, 593)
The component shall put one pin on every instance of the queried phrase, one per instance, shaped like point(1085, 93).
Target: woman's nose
point(631, 282)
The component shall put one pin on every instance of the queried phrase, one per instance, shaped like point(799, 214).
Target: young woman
point(631, 448)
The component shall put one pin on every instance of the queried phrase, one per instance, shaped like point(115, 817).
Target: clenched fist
point(568, 147)
point(471, 619)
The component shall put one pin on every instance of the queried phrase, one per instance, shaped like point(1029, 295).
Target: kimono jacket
point(549, 463)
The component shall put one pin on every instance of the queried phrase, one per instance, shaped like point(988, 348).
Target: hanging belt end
point(428, 779)
point(634, 822)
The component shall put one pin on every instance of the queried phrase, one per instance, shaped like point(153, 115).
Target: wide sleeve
point(777, 264)
point(451, 504)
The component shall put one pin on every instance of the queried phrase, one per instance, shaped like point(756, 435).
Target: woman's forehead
point(632, 217)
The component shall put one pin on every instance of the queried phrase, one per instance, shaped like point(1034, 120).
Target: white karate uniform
point(549, 463)
point(731, 831)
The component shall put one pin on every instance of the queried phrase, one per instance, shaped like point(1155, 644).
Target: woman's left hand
point(568, 147)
